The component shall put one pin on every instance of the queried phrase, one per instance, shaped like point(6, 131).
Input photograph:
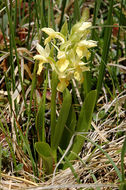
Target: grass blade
point(52, 15)
point(29, 26)
point(32, 90)
point(70, 165)
point(105, 51)
point(62, 14)
point(16, 54)
point(114, 70)
point(122, 159)
point(87, 75)
point(109, 158)
point(27, 146)
point(8, 138)
point(0, 159)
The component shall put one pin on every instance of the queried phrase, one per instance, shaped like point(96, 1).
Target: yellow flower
point(62, 84)
point(42, 57)
point(78, 75)
point(63, 63)
point(88, 43)
point(52, 34)
point(79, 69)
point(83, 52)
point(70, 51)
point(82, 48)
point(77, 66)
point(61, 54)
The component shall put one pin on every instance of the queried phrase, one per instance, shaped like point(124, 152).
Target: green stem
point(53, 105)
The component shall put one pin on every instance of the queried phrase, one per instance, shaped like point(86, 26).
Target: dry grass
point(94, 163)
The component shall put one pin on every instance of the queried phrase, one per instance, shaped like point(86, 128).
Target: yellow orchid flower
point(78, 75)
point(88, 43)
point(61, 54)
point(62, 63)
point(42, 57)
point(62, 84)
point(70, 51)
point(83, 52)
point(79, 69)
point(52, 34)
point(83, 46)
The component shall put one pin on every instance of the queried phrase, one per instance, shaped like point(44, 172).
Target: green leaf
point(64, 29)
point(96, 9)
point(86, 112)
point(122, 186)
point(69, 129)
point(84, 122)
point(40, 118)
point(19, 167)
point(39, 122)
point(45, 152)
point(76, 11)
point(63, 115)
point(85, 15)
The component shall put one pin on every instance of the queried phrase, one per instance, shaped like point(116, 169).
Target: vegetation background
point(30, 104)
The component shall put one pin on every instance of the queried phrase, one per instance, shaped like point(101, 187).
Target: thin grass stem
point(104, 57)
point(62, 13)
point(16, 54)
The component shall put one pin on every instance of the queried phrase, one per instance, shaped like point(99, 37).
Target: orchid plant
point(71, 50)
point(67, 64)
